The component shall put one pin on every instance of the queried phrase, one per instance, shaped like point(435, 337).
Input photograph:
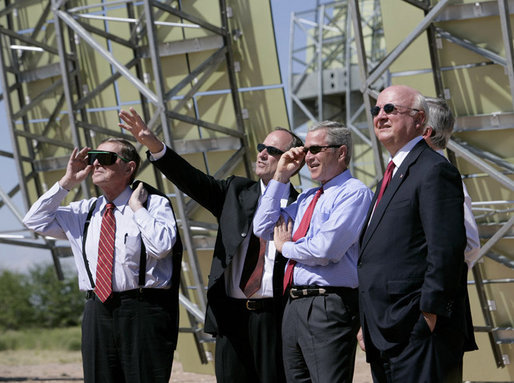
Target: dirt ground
point(62, 367)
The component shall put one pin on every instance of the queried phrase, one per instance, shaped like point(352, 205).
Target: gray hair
point(441, 121)
point(337, 134)
point(420, 102)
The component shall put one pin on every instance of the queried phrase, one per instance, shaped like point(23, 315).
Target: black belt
point(296, 292)
point(135, 293)
point(264, 304)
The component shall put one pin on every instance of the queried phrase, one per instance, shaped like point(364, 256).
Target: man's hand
point(431, 320)
point(283, 233)
point(138, 197)
point(360, 340)
point(76, 170)
point(289, 164)
point(135, 125)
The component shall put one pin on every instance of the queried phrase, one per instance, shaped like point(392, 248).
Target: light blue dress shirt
point(328, 254)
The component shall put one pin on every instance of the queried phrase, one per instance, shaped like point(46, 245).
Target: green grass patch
point(65, 339)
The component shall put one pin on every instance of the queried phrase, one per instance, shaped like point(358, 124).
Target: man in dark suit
point(412, 292)
point(246, 324)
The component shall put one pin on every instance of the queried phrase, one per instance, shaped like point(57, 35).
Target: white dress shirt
point(155, 225)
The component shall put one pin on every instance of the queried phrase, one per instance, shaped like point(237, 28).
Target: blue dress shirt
point(327, 255)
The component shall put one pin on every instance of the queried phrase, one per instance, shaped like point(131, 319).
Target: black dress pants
point(128, 339)
point(319, 335)
point(428, 357)
point(249, 350)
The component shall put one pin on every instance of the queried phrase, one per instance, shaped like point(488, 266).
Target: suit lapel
point(248, 199)
point(392, 188)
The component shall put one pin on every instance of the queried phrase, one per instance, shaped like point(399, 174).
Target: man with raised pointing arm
point(244, 296)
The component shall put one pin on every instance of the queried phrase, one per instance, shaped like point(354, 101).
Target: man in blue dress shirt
point(321, 316)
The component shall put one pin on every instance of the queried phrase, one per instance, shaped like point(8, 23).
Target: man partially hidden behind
point(319, 235)
point(412, 285)
point(436, 134)
point(122, 244)
point(244, 296)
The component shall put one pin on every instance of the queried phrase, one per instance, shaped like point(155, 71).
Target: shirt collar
point(403, 152)
point(120, 201)
point(340, 179)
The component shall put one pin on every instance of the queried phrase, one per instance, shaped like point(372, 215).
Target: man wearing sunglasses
point(412, 292)
point(122, 242)
point(246, 322)
point(319, 235)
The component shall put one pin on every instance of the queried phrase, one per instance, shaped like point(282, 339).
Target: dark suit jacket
point(412, 255)
point(233, 202)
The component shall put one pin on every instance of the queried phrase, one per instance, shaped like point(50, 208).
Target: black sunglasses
point(105, 158)
point(388, 108)
point(272, 151)
point(315, 149)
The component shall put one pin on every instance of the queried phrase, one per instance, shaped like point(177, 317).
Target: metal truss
point(343, 66)
point(53, 103)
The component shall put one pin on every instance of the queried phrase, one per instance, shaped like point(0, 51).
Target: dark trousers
point(429, 357)
point(319, 337)
point(128, 339)
point(249, 350)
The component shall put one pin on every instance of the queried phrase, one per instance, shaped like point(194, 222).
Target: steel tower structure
point(68, 67)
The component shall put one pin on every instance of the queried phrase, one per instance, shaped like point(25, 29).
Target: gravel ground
point(60, 367)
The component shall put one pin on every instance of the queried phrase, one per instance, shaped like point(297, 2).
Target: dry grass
point(66, 366)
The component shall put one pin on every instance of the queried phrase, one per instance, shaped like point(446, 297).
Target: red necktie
point(103, 287)
point(253, 268)
point(385, 181)
point(299, 233)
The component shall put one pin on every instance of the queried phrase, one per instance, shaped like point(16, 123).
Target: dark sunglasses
point(315, 149)
point(272, 151)
point(388, 108)
point(104, 158)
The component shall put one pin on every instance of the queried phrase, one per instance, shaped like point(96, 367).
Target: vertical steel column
point(161, 110)
point(67, 88)
point(10, 125)
point(503, 10)
point(227, 37)
point(319, 53)
point(363, 66)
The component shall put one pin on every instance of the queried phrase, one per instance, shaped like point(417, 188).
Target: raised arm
point(137, 127)
point(77, 169)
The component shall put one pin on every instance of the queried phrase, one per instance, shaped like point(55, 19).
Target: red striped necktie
point(299, 233)
point(385, 181)
point(103, 287)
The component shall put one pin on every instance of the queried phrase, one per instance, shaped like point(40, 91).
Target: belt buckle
point(251, 305)
point(292, 293)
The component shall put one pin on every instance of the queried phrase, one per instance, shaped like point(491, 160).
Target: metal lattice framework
point(345, 37)
point(68, 67)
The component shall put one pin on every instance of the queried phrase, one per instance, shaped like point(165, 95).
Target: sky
point(21, 259)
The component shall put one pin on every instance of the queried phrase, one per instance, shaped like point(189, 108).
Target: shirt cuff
point(276, 188)
point(59, 188)
point(159, 155)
